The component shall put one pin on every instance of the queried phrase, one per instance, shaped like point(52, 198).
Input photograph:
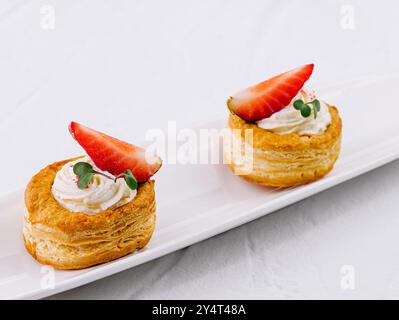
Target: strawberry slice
point(264, 99)
point(113, 155)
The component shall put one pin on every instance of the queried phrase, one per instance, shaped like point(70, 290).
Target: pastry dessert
point(91, 209)
point(281, 134)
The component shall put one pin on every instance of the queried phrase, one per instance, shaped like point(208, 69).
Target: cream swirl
point(290, 120)
point(102, 194)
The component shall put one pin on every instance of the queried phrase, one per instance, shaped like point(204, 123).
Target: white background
point(127, 66)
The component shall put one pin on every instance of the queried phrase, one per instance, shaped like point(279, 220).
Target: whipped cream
point(290, 120)
point(102, 194)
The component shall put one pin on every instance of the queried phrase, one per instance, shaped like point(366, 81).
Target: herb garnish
point(85, 173)
point(306, 108)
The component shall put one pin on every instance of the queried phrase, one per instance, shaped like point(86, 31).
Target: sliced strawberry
point(264, 99)
point(113, 155)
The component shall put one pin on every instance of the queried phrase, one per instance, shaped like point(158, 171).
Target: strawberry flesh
point(270, 96)
point(113, 155)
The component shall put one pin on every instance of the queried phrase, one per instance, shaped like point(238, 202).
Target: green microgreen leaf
point(316, 107)
point(130, 180)
point(82, 168)
point(85, 173)
point(315, 112)
point(316, 104)
point(305, 111)
point(84, 180)
point(298, 104)
point(306, 108)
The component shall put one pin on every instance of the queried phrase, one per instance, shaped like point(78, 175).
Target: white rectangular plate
point(196, 202)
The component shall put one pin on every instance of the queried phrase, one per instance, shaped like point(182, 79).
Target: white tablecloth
point(131, 65)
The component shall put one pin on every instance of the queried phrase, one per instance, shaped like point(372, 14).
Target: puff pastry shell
point(69, 240)
point(284, 160)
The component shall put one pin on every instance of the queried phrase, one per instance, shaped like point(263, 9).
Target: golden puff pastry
point(69, 240)
point(282, 160)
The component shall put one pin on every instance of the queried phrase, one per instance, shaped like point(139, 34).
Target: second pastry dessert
point(281, 134)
